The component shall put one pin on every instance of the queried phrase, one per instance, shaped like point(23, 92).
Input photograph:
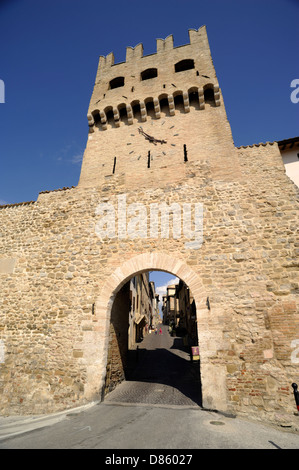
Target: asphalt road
point(123, 426)
point(156, 408)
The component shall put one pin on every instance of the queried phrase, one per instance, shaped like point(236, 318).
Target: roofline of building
point(16, 204)
point(280, 143)
point(256, 145)
point(290, 142)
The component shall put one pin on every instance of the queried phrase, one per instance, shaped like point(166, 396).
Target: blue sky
point(162, 280)
point(49, 54)
point(48, 59)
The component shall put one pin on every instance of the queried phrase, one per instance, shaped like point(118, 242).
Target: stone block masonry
point(59, 279)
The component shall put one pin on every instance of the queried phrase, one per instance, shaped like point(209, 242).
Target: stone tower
point(172, 96)
point(158, 138)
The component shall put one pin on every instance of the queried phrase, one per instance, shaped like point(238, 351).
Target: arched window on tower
point(150, 109)
point(122, 109)
point(186, 64)
point(208, 91)
point(149, 73)
point(193, 97)
point(109, 115)
point(116, 82)
point(179, 101)
point(96, 116)
point(136, 110)
point(164, 105)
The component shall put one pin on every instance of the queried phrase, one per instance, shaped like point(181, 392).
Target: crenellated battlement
point(124, 90)
point(133, 53)
point(162, 45)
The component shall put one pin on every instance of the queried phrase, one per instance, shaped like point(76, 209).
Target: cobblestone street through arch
point(160, 372)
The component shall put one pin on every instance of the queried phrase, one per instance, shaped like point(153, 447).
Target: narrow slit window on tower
point(185, 153)
point(117, 82)
point(186, 64)
point(149, 73)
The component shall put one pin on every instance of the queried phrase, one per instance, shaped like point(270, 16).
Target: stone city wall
point(54, 268)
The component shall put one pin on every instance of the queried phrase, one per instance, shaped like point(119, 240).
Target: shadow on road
point(170, 366)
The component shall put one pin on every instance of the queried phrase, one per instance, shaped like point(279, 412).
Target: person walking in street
point(160, 331)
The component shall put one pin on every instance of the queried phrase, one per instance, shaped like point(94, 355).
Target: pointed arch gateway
point(96, 348)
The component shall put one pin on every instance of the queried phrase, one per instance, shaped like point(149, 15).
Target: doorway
point(152, 337)
point(210, 330)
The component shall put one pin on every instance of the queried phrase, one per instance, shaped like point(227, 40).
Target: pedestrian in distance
point(160, 331)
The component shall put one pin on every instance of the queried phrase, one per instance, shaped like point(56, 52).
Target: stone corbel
point(186, 102)
point(201, 99)
point(157, 108)
point(116, 117)
point(171, 105)
point(90, 122)
point(90, 119)
point(103, 120)
point(129, 114)
point(217, 95)
point(143, 111)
